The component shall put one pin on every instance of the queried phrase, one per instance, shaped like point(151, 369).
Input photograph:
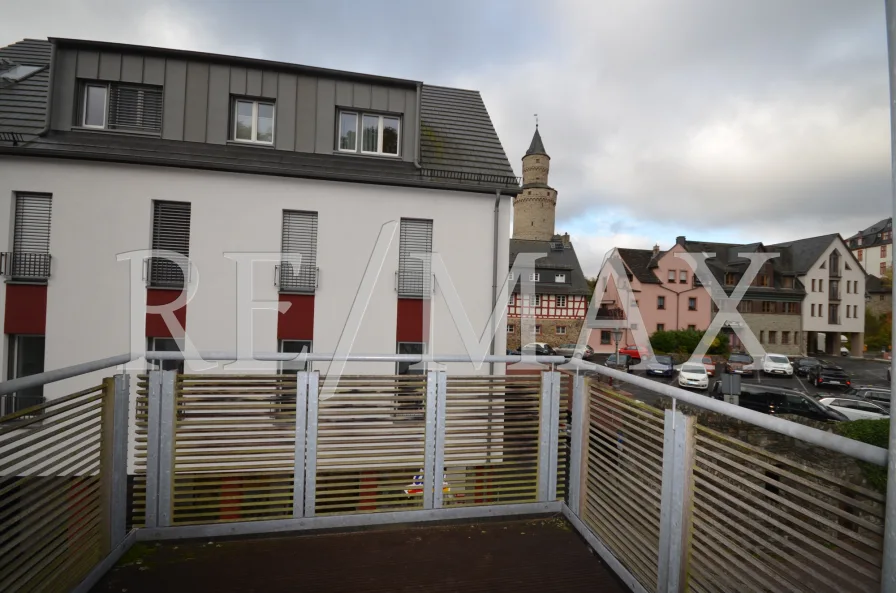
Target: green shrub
point(685, 341)
point(873, 432)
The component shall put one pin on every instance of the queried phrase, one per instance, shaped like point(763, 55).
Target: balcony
point(834, 293)
point(25, 266)
point(664, 498)
point(297, 278)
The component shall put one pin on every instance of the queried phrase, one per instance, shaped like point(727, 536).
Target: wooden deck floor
point(520, 556)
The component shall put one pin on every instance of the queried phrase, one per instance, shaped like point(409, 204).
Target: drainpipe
point(888, 570)
point(491, 365)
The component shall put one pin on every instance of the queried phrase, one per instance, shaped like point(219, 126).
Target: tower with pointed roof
point(534, 207)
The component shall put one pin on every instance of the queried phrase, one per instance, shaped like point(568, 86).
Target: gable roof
point(805, 252)
point(459, 147)
point(23, 104)
point(640, 262)
point(560, 260)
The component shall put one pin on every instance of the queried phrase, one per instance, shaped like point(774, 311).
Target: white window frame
point(379, 134)
point(255, 104)
point(84, 123)
point(560, 304)
point(536, 302)
point(534, 277)
point(559, 328)
point(512, 299)
point(672, 276)
point(510, 328)
point(560, 278)
point(538, 329)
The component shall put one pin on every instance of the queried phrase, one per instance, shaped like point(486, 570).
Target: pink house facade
point(667, 295)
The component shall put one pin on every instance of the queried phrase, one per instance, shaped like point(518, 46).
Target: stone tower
point(533, 208)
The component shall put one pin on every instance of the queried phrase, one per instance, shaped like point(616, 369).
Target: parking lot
point(861, 372)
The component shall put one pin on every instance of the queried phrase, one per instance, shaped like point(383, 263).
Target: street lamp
point(617, 335)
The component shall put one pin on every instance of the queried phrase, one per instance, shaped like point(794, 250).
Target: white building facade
point(354, 205)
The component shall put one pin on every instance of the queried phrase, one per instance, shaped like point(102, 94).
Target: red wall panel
point(409, 326)
point(155, 326)
point(26, 309)
point(298, 321)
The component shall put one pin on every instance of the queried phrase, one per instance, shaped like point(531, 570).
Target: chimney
point(656, 249)
point(680, 240)
point(566, 238)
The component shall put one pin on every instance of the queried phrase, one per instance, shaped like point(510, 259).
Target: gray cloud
point(761, 120)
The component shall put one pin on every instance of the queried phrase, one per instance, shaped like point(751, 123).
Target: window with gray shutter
point(298, 268)
point(414, 273)
point(31, 237)
point(171, 232)
point(135, 108)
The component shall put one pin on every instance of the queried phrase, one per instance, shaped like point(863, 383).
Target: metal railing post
point(298, 477)
point(549, 417)
point(675, 502)
point(167, 411)
point(439, 446)
point(154, 415)
point(430, 480)
point(118, 499)
point(311, 443)
point(578, 444)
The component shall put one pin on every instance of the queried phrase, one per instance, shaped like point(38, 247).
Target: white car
point(855, 409)
point(776, 364)
point(693, 375)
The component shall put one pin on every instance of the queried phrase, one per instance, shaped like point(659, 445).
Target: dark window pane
point(404, 368)
point(348, 131)
point(390, 135)
point(371, 132)
point(26, 358)
point(265, 131)
point(243, 120)
point(294, 347)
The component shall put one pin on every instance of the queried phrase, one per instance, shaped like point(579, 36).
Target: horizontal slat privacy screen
point(170, 231)
point(136, 108)
point(31, 232)
point(299, 239)
point(414, 274)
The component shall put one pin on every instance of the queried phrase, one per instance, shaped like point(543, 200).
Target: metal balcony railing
point(668, 504)
point(164, 272)
point(25, 265)
point(297, 278)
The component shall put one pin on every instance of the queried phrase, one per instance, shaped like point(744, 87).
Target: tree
point(592, 283)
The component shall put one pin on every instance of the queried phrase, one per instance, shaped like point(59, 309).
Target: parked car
point(828, 375)
point(693, 375)
point(569, 350)
point(739, 364)
point(856, 409)
point(776, 364)
point(844, 351)
point(624, 362)
point(877, 395)
point(633, 352)
point(709, 365)
point(512, 352)
point(775, 400)
point(804, 364)
point(662, 365)
point(539, 349)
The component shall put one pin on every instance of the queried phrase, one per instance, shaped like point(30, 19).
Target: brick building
point(556, 311)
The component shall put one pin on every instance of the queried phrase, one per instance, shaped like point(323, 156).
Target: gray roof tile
point(565, 260)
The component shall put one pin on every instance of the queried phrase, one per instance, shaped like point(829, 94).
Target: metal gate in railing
point(223, 448)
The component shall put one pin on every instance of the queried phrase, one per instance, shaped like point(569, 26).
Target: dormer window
point(253, 121)
point(379, 134)
point(560, 278)
point(121, 107)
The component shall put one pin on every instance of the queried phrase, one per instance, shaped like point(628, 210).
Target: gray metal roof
point(564, 260)
point(456, 134)
point(23, 104)
point(870, 236)
point(459, 146)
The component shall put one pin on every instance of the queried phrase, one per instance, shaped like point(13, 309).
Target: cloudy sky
point(720, 120)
